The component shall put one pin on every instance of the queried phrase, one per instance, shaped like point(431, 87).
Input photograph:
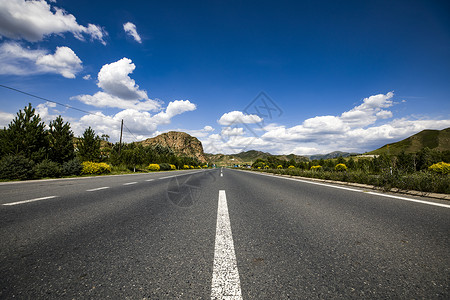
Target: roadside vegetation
point(31, 149)
point(425, 171)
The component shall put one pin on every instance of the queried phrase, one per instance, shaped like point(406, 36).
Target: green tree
point(60, 141)
point(26, 136)
point(89, 146)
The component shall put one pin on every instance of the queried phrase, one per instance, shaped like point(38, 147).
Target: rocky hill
point(433, 139)
point(181, 143)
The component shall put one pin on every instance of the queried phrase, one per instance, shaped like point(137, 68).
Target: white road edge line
point(225, 279)
point(98, 189)
point(31, 200)
point(128, 183)
point(361, 191)
point(410, 199)
point(150, 179)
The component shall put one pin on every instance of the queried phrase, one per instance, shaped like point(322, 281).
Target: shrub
point(279, 167)
point(16, 167)
point(340, 167)
point(90, 168)
point(153, 167)
point(164, 167)
point(205, 166)
point(316, 168)
point(47, 168)
point(440, 168)
point(185, 167)
point(192, 167)
point(173, 167)
point(291, 167)
point(71, 167)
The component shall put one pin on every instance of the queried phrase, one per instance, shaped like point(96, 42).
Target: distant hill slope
point(331, 155)
point(433, 139)
point(180, 142)
point(248, 157)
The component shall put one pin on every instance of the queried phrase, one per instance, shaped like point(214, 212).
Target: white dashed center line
point(31, 200)
point(225, 279)
point(128, 183)
point(98, 189)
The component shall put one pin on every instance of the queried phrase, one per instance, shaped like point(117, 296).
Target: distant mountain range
point(433, 139)
point(248, 157)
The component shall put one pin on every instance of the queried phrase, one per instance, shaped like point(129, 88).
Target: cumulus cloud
point(174, 108)
point(369, 111)
point(238, 117)
point(5, 119)
point(16, 60)
point(130, 29)
point(87, 77)
point(235, 131)
point(35, 20)
point(119, 89)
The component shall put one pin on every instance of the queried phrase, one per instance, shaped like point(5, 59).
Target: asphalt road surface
point(218, 234)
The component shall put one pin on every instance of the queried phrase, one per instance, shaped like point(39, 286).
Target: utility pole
point(120, 141)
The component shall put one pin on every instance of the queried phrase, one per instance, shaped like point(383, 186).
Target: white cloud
point(130, 29)
point(238, 117)
point(235, 131)
point(35, 20)
point(369, 111)
point(102, 99)
point(64, 61)
point(174, 108)
point(119, 89)
point(208, 128)
point(87, 77)
point(16, 60)
point(113, 78)
point(5, 119)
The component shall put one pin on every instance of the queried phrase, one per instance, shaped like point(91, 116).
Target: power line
point(62, 104)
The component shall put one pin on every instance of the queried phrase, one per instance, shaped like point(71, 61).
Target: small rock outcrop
point(180, 142)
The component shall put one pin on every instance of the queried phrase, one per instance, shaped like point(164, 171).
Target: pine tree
point(26, 136)
point(89, 146)
point(60, 141)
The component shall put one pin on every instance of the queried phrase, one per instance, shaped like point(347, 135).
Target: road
point(203, 234)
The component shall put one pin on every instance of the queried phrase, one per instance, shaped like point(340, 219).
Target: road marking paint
point(31, 200)
point(410, 199)
point(167, 177)
point(128, 183)
point(225, 279)
point(362, 191)
point(221, 175)
point(98, 189)
point(150, 179)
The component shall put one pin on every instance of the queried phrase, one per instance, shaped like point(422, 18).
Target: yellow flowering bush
point(441, 168)
point(205, 166)
point(316, 168)
point(185, 167)
point(279, 167)
point(340, 167)
point(192, 167)
point(173, 167)
point(91, 168)
point(291, 167)
point(153, 167)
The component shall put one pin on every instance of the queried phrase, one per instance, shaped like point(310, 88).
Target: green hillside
point(248, 157)
point(433, 139)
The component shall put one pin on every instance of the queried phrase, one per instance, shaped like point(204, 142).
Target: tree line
point(31, 149)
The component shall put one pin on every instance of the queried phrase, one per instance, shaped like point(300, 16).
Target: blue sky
point(334, 75)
